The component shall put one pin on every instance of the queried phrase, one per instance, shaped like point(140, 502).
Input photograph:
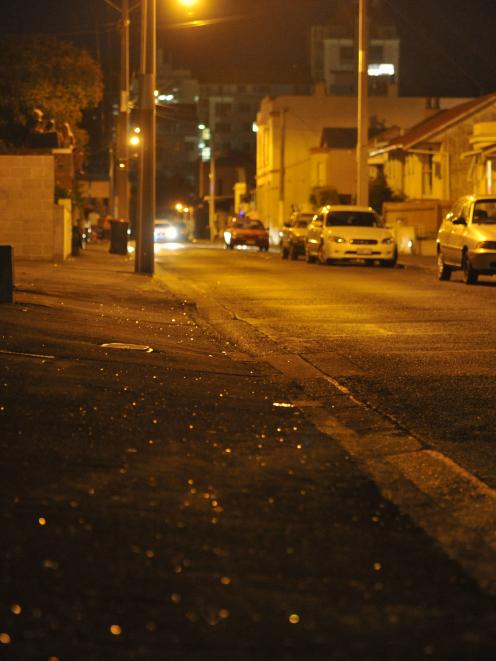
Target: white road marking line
point(446, 501)
point(26, 355)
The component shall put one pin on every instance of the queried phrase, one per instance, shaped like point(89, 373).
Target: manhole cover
point(125, 345)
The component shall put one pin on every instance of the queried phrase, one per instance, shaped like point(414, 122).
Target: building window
point(223, 127)
point(347, 53)
point(427, 171)
point(375, 54)
point(223, 109)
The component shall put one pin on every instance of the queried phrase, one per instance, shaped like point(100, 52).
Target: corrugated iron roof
point(436, 123)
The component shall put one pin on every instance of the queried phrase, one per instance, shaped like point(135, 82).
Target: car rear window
point(353, 219)
point(248, 223)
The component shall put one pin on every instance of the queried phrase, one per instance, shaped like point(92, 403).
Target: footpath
point(162, 499)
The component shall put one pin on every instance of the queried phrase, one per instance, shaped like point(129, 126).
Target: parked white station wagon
point(466, 239)
point(348, 232)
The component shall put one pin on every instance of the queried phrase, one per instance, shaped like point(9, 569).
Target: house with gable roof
point(449, 154)
point(306, 147)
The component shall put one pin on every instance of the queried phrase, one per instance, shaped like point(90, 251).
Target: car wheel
point(390, 263)
point(309, 257)
point(321, 255)
point(470, 275)
point(292, 253)
point(443, 271)
point(284, 252)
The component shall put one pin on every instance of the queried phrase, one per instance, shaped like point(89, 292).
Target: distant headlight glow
point(171, 233)
point(338, 239)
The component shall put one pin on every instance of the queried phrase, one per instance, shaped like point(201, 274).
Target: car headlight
point(171, 233)
point(227, 237)
point(388, 240)
point(487, 245)
point(338, 239)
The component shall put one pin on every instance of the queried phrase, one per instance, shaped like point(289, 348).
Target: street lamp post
point(212, 188)
point(119, 158)
point(144, 256)
point(362, 193)
point(122, 173)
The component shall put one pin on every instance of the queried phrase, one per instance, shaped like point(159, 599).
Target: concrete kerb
point(427, 262)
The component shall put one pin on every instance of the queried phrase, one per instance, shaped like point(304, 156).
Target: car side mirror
point(459, 221)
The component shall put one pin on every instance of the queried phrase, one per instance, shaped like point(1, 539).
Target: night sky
point(448, 46)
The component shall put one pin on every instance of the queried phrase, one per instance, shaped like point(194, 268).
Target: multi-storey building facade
point(226, 119)
point(333, 59)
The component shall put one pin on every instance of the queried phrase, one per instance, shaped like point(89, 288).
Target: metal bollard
point(6, 274)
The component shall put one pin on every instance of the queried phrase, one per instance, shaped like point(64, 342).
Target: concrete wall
point(424, 216)
point(29, 219)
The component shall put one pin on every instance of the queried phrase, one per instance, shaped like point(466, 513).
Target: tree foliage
point(380, 192)
point(54, 76)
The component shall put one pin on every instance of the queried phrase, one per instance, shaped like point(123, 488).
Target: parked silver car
point(293, 234)
point(466, 239)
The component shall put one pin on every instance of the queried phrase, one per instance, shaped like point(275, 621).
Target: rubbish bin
point(77, 241)
point(6, 274)
point(118, 237)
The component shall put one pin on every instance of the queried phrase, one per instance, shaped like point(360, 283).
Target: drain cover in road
point(129, 347)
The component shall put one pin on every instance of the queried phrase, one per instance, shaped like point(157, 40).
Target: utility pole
point(282, 168)
point(212, 181)
point(145, 257)
point(362, 192)
point(121, 188)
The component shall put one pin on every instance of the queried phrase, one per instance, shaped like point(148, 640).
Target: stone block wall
point(28, 216)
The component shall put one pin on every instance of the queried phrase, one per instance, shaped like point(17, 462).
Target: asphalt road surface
point(418, 350)
point(415, 357)
point(286, 475)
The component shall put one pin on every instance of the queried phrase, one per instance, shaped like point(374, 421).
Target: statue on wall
point(42, 134)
